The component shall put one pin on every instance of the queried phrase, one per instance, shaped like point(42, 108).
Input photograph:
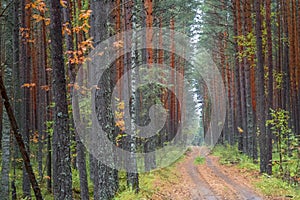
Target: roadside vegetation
point(269, 185)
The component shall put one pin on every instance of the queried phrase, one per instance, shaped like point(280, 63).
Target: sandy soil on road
point(209, 181)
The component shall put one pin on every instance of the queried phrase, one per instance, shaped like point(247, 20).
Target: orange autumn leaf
point(28, 85)
point(63, 3)
point(118, 44)
point(45, 87)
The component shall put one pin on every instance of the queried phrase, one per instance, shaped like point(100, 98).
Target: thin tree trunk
point(1, 60)
point(130, 142)
point(17, 86)
point(149, 145)
point(5, 142)
point(238, 118)
point(81, 160)
point(270, 82)
point(20, 142)
point(25, 79)
point(4, 193)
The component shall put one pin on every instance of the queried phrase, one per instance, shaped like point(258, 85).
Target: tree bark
point(25, 58)
point(270, 82)
point(260, 93)
point(81, 160)
point(4, 194)
point(105, 178)
point(62, 175)
point(20, 142)
point(238, 117)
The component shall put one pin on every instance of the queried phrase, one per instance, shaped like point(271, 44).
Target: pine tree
point(62, 175)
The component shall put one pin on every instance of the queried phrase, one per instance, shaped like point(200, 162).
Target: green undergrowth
point(199, 160)
point(230, 155)
point(147, 182)
point(268, 185)
point(272, 186)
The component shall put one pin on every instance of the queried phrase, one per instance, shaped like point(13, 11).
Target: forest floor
point(208, 181)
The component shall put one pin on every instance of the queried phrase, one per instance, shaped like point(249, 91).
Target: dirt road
point(209, 181)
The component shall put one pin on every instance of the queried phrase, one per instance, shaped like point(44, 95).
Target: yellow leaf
point(120, 123)
point(121, 106)
point(119, 115)
point(240, 130)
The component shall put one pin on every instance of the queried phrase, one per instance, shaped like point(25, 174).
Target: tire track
point(202, 189)
point(243, 191)
point(205, 182)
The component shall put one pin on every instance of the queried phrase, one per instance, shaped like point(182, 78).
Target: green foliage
point(49, 125)
point(248, 42)
point(272, 186)
point(279, 122)
point(146, 185)
point(278, 77)
point(147, 182)
point(268, 185)
point(76, 184)
point(199, 160)
point(231, 155)
point(286, 159)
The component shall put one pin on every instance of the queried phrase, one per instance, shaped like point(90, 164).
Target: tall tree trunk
point(62, 175)
point(248, 93)
point(298, 67)
point(292, 61)
point(260, 93)
point(149, 145)
point(81, 160)
point(19, 139)
point(1, 60)
point(270, 82)
point(105, 178)
point(131, 146)
point(238, 117)
point(4, 130)
point(17, 86)
point(4, 193)
point(296, 108)
point(25, 79)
